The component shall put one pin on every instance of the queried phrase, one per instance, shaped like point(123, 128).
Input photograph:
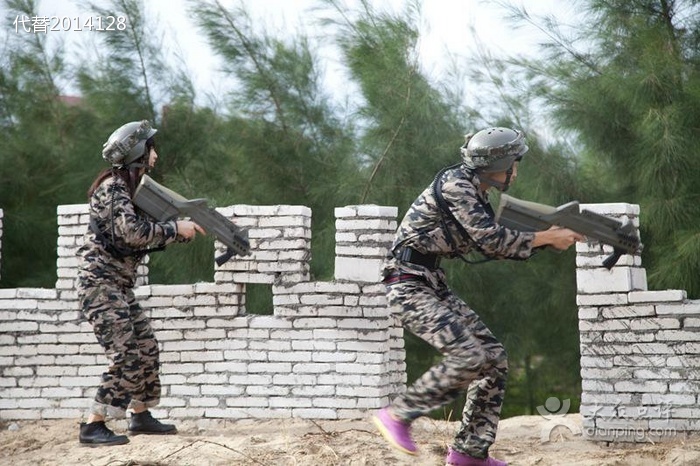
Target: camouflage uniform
point(473, 360)
point(106, 298)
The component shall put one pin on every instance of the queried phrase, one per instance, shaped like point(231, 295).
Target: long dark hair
point(129, 173)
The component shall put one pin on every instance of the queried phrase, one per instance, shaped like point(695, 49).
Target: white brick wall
point(640, 349)
point(1, 215)
point(331, 350)
point(363, 234)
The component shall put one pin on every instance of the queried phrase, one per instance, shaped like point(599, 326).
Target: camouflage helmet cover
point(493, 149)
point(127, 143)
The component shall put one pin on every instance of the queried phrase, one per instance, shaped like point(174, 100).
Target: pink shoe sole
point(455, 458)
point(396, 433)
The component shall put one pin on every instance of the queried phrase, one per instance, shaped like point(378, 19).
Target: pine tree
point(627, 86)
point(36, 153)
point(287, 144)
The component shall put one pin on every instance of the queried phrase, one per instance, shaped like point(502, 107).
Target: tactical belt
point(408, 254)
point(401, 277)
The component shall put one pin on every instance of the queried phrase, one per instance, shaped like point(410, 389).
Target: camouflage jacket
point(113, 211)
point(422, 228)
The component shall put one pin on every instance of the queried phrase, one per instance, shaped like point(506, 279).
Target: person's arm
point(187, 229)
point(557, 237)
point(492, 239)
point(134, 230)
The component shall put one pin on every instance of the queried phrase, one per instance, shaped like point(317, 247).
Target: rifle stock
point(522, 215)
point(164, 204)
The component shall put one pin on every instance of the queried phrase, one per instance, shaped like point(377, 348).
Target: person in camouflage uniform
point(449, 219)
point(118, 238)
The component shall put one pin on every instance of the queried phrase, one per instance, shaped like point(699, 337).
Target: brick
point(315, 323)
point(361, 251)
point(617, 280)
point(588, 313)
point(312, 368)
point(623, 312)
point(660, 373)
point(201, 356)
point(640, 361)
point(248, 401)
point(18, 304)
point(691, 386)
point(596, 362)
point(373, 210)
point(295, 379)
point(677, 335)
point(25, 414)
point(365, 224)
point(646, 386)
point(689, 308)
point(270, 367)
point(657, 296)
point(603, 326)
point(654, 324)
point(7, 294)
point(36, 293)
point(222, 390)
point(258, 390)
point(686, 361)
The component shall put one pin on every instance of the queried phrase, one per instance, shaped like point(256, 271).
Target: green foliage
point(631, 97)
point(39, 143)
point(410, 129)
point(288, 146)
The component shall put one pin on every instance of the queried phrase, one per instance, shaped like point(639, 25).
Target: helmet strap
point(503, 187)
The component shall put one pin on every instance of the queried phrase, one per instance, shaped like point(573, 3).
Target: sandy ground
point(322, 443)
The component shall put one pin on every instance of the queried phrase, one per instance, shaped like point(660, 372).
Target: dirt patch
point(294, 442)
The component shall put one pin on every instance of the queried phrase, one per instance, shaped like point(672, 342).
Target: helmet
point(127, 143)
point(493, 149)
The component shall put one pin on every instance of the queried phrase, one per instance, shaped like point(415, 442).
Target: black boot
point(97, 434)
point(143, 423)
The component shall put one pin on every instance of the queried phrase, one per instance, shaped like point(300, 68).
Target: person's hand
point(188, 230)
point(557, 237)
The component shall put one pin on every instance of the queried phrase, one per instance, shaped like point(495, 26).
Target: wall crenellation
point(640, 349)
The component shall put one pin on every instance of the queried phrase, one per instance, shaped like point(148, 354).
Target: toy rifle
point(530, 216)
point(164, 204)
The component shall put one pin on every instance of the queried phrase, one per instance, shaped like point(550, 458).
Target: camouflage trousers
point(473, 361)
point(124, 332)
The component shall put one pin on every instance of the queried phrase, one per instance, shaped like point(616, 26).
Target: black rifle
point(530, 216)
point(164, 204)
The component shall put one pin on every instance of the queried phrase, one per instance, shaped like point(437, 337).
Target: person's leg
point(477, 431)
point(482, 410)
point(450, 326)
point(147, 392)
point(102, 307)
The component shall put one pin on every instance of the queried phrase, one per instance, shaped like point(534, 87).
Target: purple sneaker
point(455, 458)
point(397, 433)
